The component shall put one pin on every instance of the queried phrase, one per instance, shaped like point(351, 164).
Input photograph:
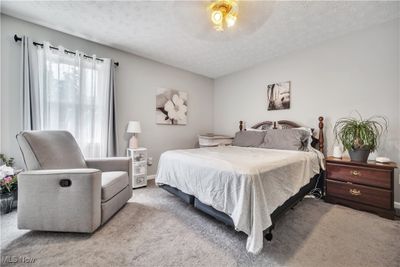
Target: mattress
point(247, 184)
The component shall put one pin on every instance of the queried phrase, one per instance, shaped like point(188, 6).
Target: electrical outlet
point(149, 161)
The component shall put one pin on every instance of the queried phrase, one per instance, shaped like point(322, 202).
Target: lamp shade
point(134, 127)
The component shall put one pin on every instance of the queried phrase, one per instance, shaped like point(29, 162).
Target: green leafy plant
point(357, 133)
point(7, 161)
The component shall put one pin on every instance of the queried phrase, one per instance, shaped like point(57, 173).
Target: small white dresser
point(139, 166)
point(209, 140)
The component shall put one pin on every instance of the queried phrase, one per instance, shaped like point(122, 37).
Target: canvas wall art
point(171, 107)
point(278, 96)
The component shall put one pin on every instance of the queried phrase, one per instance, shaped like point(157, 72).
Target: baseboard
point(153, 176)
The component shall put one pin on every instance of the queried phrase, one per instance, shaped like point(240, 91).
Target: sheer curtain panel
point(63, 91)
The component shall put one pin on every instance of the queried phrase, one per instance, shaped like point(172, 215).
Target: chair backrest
point(50, 150)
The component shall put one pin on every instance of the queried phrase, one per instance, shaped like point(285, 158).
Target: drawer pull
point(355, 173)
point(355, 192)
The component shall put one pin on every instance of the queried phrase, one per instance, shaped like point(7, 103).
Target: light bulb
point(230, 20)
point(216, 17)
point(219, 27)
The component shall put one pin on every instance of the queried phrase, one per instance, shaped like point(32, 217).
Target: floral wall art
point(171, 107)
point(278, 96)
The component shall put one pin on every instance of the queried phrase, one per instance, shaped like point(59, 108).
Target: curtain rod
point(17, 39)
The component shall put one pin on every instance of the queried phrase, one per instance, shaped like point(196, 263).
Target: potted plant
point(8, 185)
point(360, 137)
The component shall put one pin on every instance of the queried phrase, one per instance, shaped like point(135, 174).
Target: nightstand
point(363, 186)
point(139, 166)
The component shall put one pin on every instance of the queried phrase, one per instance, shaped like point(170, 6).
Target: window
point(74, 94)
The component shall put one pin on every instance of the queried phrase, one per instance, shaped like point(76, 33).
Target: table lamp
point(134, 128)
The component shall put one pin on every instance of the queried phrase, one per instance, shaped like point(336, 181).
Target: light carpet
point(157, 229)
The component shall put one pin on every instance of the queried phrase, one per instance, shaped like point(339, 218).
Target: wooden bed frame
point(315, 182)
point(285, 124)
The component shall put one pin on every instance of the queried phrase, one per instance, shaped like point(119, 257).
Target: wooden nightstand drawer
point(377, 197)
point(367, 186)
point(360, 175)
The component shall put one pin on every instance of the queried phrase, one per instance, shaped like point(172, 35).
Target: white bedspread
point(248, 184)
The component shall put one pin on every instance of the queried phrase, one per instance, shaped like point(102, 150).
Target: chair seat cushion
point(112, 183)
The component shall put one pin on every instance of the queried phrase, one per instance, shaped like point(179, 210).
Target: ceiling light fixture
point(223, 13)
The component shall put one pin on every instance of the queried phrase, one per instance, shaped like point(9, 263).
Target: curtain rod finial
point(16, 38)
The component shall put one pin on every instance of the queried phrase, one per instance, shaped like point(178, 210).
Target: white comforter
point(248, 184)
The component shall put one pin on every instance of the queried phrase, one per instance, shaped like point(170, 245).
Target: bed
point(248, 188)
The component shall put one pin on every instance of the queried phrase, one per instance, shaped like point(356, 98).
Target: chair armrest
point(43, 204)
point(112, 164)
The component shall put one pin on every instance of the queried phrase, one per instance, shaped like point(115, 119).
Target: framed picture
point(171, 107)
point(278, 96)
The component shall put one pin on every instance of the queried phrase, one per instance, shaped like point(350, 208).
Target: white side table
point(139, 166)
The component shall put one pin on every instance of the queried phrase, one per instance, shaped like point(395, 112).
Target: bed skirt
point(315, 182)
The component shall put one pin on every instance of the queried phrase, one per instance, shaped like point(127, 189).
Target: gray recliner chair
point(61, 191)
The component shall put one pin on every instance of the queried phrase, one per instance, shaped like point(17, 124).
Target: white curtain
point(73, 93)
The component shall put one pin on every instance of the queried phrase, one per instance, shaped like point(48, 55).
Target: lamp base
point(133, 142)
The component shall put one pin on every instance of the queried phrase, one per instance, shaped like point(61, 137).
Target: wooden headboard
point(284, 124)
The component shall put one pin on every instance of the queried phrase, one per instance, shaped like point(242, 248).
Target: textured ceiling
point(179, 33)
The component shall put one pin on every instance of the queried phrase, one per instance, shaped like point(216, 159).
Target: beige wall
point(137, 79)
point(359, 71)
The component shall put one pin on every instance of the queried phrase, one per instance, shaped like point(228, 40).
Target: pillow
point(310, 139)
point(313, 132)
point(249, 138)
point(266, 127)
point(255, 130)
point(287, 139)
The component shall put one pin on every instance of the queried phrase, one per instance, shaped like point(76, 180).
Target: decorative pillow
point(267, 127)
point(287, 139)
point(249, 138)
point(314, 136)
point(311, 130)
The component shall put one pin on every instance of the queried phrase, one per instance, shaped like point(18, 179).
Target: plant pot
point(360, 155)
point(15, 201)
point(6, 202)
